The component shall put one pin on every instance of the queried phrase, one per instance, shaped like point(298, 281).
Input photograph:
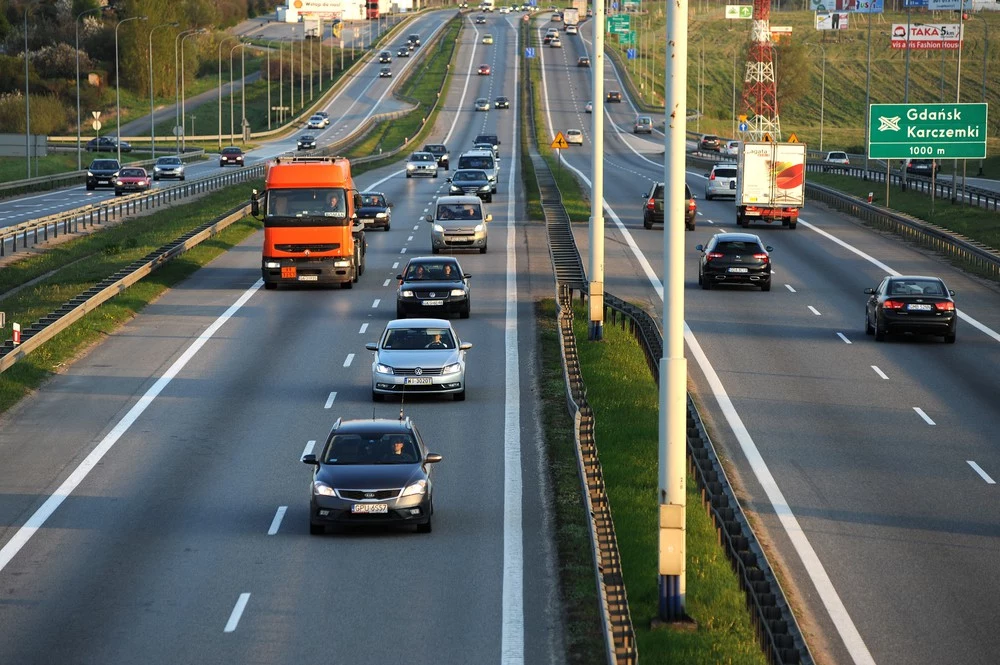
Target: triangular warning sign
point(767, 137)
point(559, 141)
point(793, 139)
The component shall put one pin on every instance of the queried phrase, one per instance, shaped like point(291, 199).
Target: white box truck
point(770, 183)
point(571, 16)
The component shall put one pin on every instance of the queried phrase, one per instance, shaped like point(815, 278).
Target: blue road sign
point(744, 126)
point(630, 53)
point(529, 52)
point(614, 5)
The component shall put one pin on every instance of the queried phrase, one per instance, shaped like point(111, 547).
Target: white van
point(459, 222)
point(482, 160)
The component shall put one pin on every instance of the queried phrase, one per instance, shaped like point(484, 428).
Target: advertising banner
point(869, 7)
point(831, 21)
point(927, 36)
point(948, 5)
point(833, 5)
point(739, 11)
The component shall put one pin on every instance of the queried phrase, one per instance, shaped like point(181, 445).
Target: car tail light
point(713, 255)
point(712, 176)
point(691, 204)
point(892, 304)
point(946, 306)
point(763, 258)
point(651, 204)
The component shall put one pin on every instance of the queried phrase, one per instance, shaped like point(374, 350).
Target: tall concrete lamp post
point(118, 87)
point(232, 95)
point(178, 123)
point(219, 50)
point(79, 147)
point(152, 123)
point(199, 31)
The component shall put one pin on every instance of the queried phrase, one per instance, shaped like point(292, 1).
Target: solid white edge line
point(512, 627)
point(927, 419)
point(330, 399)
point(844, 337)
point(38, 518)
point(982, 474)
point(880, 372)
point(276, 522)
point(364, 328)
point(309, 447)
point(234, 618)
point(349, 360)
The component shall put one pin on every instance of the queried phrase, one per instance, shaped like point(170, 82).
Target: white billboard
point(831, 20)
point(928, 36)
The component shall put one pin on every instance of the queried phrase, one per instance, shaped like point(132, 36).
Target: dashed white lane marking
point(843, 337)
point(364, 327)
point(329, 400)
point(385, 283)
point(880, 372)
point(982, 474)
point(416, 226)
point(309, 447)
point(375, 304)
point(234, 618)
point(927, 419)
point(789, 287)
point(276, 522)
point(409, 239)
point(814, 310)
point(395, 265)
point(402, 251)
point(349, 360)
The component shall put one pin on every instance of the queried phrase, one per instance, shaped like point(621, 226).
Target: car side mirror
point(700, 248)
point(468, 276)
point(951, 293)
point(489, 217)
point(428, 218)
point(399, 277)
point(310, 459)
point(769, 248)
point(447, 179)
point(870, 291)
point(465, 346)
point(371, 346)
point(433, 458)
point(255, 204)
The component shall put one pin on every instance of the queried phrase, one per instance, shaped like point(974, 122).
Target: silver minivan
point(482, 160)
point(459, 222)
point(721, 181)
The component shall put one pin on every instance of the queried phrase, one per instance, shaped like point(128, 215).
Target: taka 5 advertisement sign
point(927, 36)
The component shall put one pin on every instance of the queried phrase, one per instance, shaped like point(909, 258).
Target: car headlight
point(485, 188)
point(156, 169)
point(383, 369)
point(454, 189)
point(406, 294)
point(323, 489)
point(480, 228)
point(438, 228)
point(380, 215)
point(272, 264)
point(89, 174)
point(454, 368)
point(457, 293)
point(410, 167)
point(419, 487)
point(119, 182)
point(341, 264)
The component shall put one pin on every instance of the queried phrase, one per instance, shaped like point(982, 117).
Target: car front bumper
point(449, 304)
point(169, 173)
point(453, 240)
point(393, 384)
point(414, 509)
point(323, 270)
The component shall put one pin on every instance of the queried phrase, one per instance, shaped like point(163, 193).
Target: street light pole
point(311, 65)
point(152, 122)
point(269, 47)
point(219, 51)
point(958, 100)
point(243, 91)
point(183, 85)
point(79, 147)
point(118, 87)
point(868, 92)
point(178, 125)
point(302, 69)
point(232, 96)
point(986, 49)
point(27, 97)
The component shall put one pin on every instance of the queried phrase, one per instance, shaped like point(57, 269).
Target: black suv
point(440, 152)
point(710, 142)
point(492, 139)
point(652, 212)
point(735, 258)
point(102, 173)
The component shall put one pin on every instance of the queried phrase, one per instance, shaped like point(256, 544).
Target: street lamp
point(178, 125)
point(79, 148)
point(27, 97)
point(822, 94)
point(302, 69)
point(986, 49)
point(232, 102)
point(183, 135)
point(118, 86)
point(152, 124)
point(219, 51)
point(269, 48)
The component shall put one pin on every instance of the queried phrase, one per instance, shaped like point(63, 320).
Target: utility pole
point(596, 284)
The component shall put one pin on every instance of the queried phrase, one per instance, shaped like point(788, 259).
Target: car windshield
point(413, 339)
point(916, 287)
point(469, 211)
point(104, 164)
point(446, 271)
point(373, 200)
point(168, 161)
point(466, 176)
point(306, 203)
point(231, 151)
point(371, 448)
point(131, 173)
point(421, 157)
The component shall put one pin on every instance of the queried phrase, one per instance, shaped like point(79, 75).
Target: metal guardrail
point(55, 322)
point(71, 221)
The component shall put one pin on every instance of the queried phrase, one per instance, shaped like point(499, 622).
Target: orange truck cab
point(311, 229)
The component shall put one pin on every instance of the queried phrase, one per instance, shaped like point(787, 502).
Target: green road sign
point(948, 131)
point(619, 23)
point(626, 38)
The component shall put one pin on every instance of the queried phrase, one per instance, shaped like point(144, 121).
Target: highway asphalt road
point(870, 465)
point(183, 533)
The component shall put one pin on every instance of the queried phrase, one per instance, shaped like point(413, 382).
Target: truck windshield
point(306, 207)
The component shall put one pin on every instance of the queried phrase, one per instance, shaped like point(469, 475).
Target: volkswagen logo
point(431, 294)
point(369, 495)
point(418, 371)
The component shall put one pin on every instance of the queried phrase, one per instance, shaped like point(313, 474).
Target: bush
point(59, 61)
point(48, 115)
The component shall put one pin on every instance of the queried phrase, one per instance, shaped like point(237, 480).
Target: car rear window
point(838, 155)
point(736, 247)
point(725, 173)
point(914, 287)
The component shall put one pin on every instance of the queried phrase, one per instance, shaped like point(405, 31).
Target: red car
point(132, 179)
point(484, 70)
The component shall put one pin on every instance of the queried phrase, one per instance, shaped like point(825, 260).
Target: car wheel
point(221, 164)
point(766, 286)
point(869, 330)
point(156, 178)
point(489, 199)
point(117, 193)
point(316, 529)
point(950, 338)
point(460, 397)
point(182, 178)
point(690, 227)
point(270, 286)
point(425, 527)
point(90, 187)
point(482, 250)
point(706, 283)
point(387, 225)
point(435, 174)
point(409, 175)
point(708, 197)
point(879, 333)
point(699, 279)
point(347, 285)
point(377, 397)
point(647, 223)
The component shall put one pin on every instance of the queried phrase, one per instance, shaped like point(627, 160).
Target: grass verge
point(65, 270)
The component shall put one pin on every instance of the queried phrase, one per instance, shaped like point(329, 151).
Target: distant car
point(721, 181)
point(492, 139)
point(107, 144)
point(557, 17)
point(413, 39)
point(168, 167)
point(555, 42)
point(571, 29)
point(922, 166)
point(836, 159)
point(422, 163)
point(306, 142)
point(911, 304)
point(440, 151)
point(710, 142)
point(487, 39)
point(652, 210)
point(432, 285)
point(132, 179)
point(317, 121)
point(588, 107)
point(501, 103)
point(731, 148)
point(385, 73)
point(385, 56)
point(549, 34)
point(403, 52)
point(484, 70)
point(324, 115)
point(418, 356)
point(480, 20)
point(231, 155)
point(583, 61)
point(102, 173)
point(375, 210)
point(614, 96)
point(643, 125)
point(735, 258)
point(574, 136)
point(375, 471)
point(482, 104)
point(472, 182)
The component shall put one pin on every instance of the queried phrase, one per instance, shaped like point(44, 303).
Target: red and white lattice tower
point(760, 90)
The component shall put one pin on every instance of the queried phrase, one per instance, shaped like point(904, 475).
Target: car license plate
point(368, 220)
point(417, 381)
point(370, 508)
point(918, 308)
point(737, 270)
point(288, 272)
point(433, 303)
point(308, 278)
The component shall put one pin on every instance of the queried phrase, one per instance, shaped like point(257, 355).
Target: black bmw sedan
point(473, 182)
point(372, 472)
point(735, 258)
point(911, 304)
point(431, 284)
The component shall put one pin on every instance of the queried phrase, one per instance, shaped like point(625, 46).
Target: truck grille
point(312, 248)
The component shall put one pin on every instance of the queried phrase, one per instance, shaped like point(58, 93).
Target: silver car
point(482, 104)
point(422, 163)
point(168, 167)
point(418, 356)
point(721, 181)
point(459, 222)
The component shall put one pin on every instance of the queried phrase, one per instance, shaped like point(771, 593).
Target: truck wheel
point(792, 224)
point(785, 222)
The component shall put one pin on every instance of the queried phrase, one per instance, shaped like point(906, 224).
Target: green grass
point(626, 409)
point(13, 168)
point(69, 268)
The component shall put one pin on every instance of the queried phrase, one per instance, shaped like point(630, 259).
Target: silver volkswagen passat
point(418, 356)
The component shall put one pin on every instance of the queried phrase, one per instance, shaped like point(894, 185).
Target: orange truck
point(311, 229)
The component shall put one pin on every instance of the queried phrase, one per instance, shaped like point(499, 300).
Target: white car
point(836, 159)
point(571, 29)
point(422, 163)
point(589, 107)
point(574, 136)
point(731, 148)
point(418, 355)
point(317, 122)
